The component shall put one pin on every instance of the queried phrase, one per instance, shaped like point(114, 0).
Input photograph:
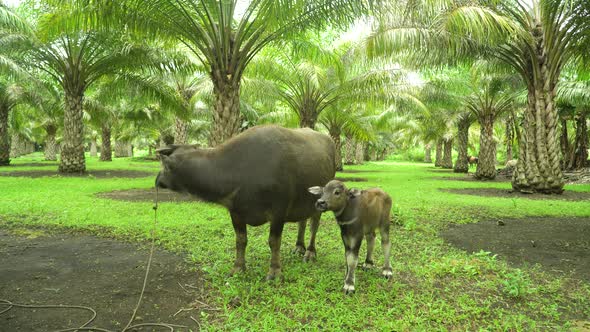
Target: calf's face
point(334, 196)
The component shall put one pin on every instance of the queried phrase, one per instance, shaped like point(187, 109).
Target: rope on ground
point(128, 327)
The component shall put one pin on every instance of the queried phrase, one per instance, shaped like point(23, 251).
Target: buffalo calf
point(359, 214)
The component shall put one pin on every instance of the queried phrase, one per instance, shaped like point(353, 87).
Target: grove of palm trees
point(472, 115)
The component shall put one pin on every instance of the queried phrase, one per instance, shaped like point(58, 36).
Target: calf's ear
point(317, 190)
point(353, 192)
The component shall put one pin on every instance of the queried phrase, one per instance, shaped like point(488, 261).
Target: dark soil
point(567, 195)
point(103, 274)
point(99, 174)
point(471, 178)
point(354, 171)
point(147, 195)
point(351, 179)
point(33, 164)
point(560, 245)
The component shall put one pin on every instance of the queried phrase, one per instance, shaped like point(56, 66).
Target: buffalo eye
point(336, 192)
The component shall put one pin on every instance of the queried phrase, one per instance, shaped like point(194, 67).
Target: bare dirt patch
point(471, 178)
point(104, 274)
point(99, 174)
point(147, 195)
point(32, 164)
point(351, 179)
point(567, 195)
point(560, 245)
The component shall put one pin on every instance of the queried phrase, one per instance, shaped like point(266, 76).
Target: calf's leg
point(370, 247)
point(274, 241)
point(351, 246)
point(310, 253)
point(300, 244)
point(241, 242)
point(386, 245)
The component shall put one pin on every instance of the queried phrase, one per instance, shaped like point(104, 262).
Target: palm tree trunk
point(72, 148)
point(580, 153)
point(106, 154)
point(335, 134)
point(462, 164)
point(486, 165)
point(122, 148)
point(50, 150)
point(359, 154)
point(428, 153)
point(509, 138)
point(226, 114)
point(538, 168)
point(349, 150)
point(564, 142)
point(17, 146)
point(180, 131)
point(307, 119)
point(4, 137)
point(439, 155)
point(93, 147)
point(447, 161)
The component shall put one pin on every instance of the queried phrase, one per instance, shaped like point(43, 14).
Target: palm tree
point(224, 35)
point(10, 94)
point(536, 40)
point(492, 95)
point(464, 121)
point(573, 99)
point(76, 59)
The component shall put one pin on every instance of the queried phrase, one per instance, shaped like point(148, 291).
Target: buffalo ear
point(167, 150)
point(317, 190)
point(353, 192)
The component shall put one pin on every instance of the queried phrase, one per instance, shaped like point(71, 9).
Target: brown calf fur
point(359, 214)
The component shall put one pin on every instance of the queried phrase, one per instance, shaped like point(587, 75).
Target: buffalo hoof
point(368, 265)
point(309, 256)
point(237, 270)
point(275, 277)
point(387, 273)
point(299, 249)
point(348, 289)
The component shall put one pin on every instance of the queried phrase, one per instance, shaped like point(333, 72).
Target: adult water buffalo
point(260, 175)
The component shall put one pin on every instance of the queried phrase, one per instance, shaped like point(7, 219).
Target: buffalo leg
point(274, 241)
point(310, 253)
point(386, 245)
point(370, 247)
point(351, 246)
point(241, 242)
point(300, 244)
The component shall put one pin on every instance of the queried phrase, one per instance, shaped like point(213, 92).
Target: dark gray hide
point(260, 175)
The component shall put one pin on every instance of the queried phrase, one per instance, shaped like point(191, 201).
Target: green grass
point(435, 287)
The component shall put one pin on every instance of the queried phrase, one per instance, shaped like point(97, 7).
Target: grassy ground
point(435, 287)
